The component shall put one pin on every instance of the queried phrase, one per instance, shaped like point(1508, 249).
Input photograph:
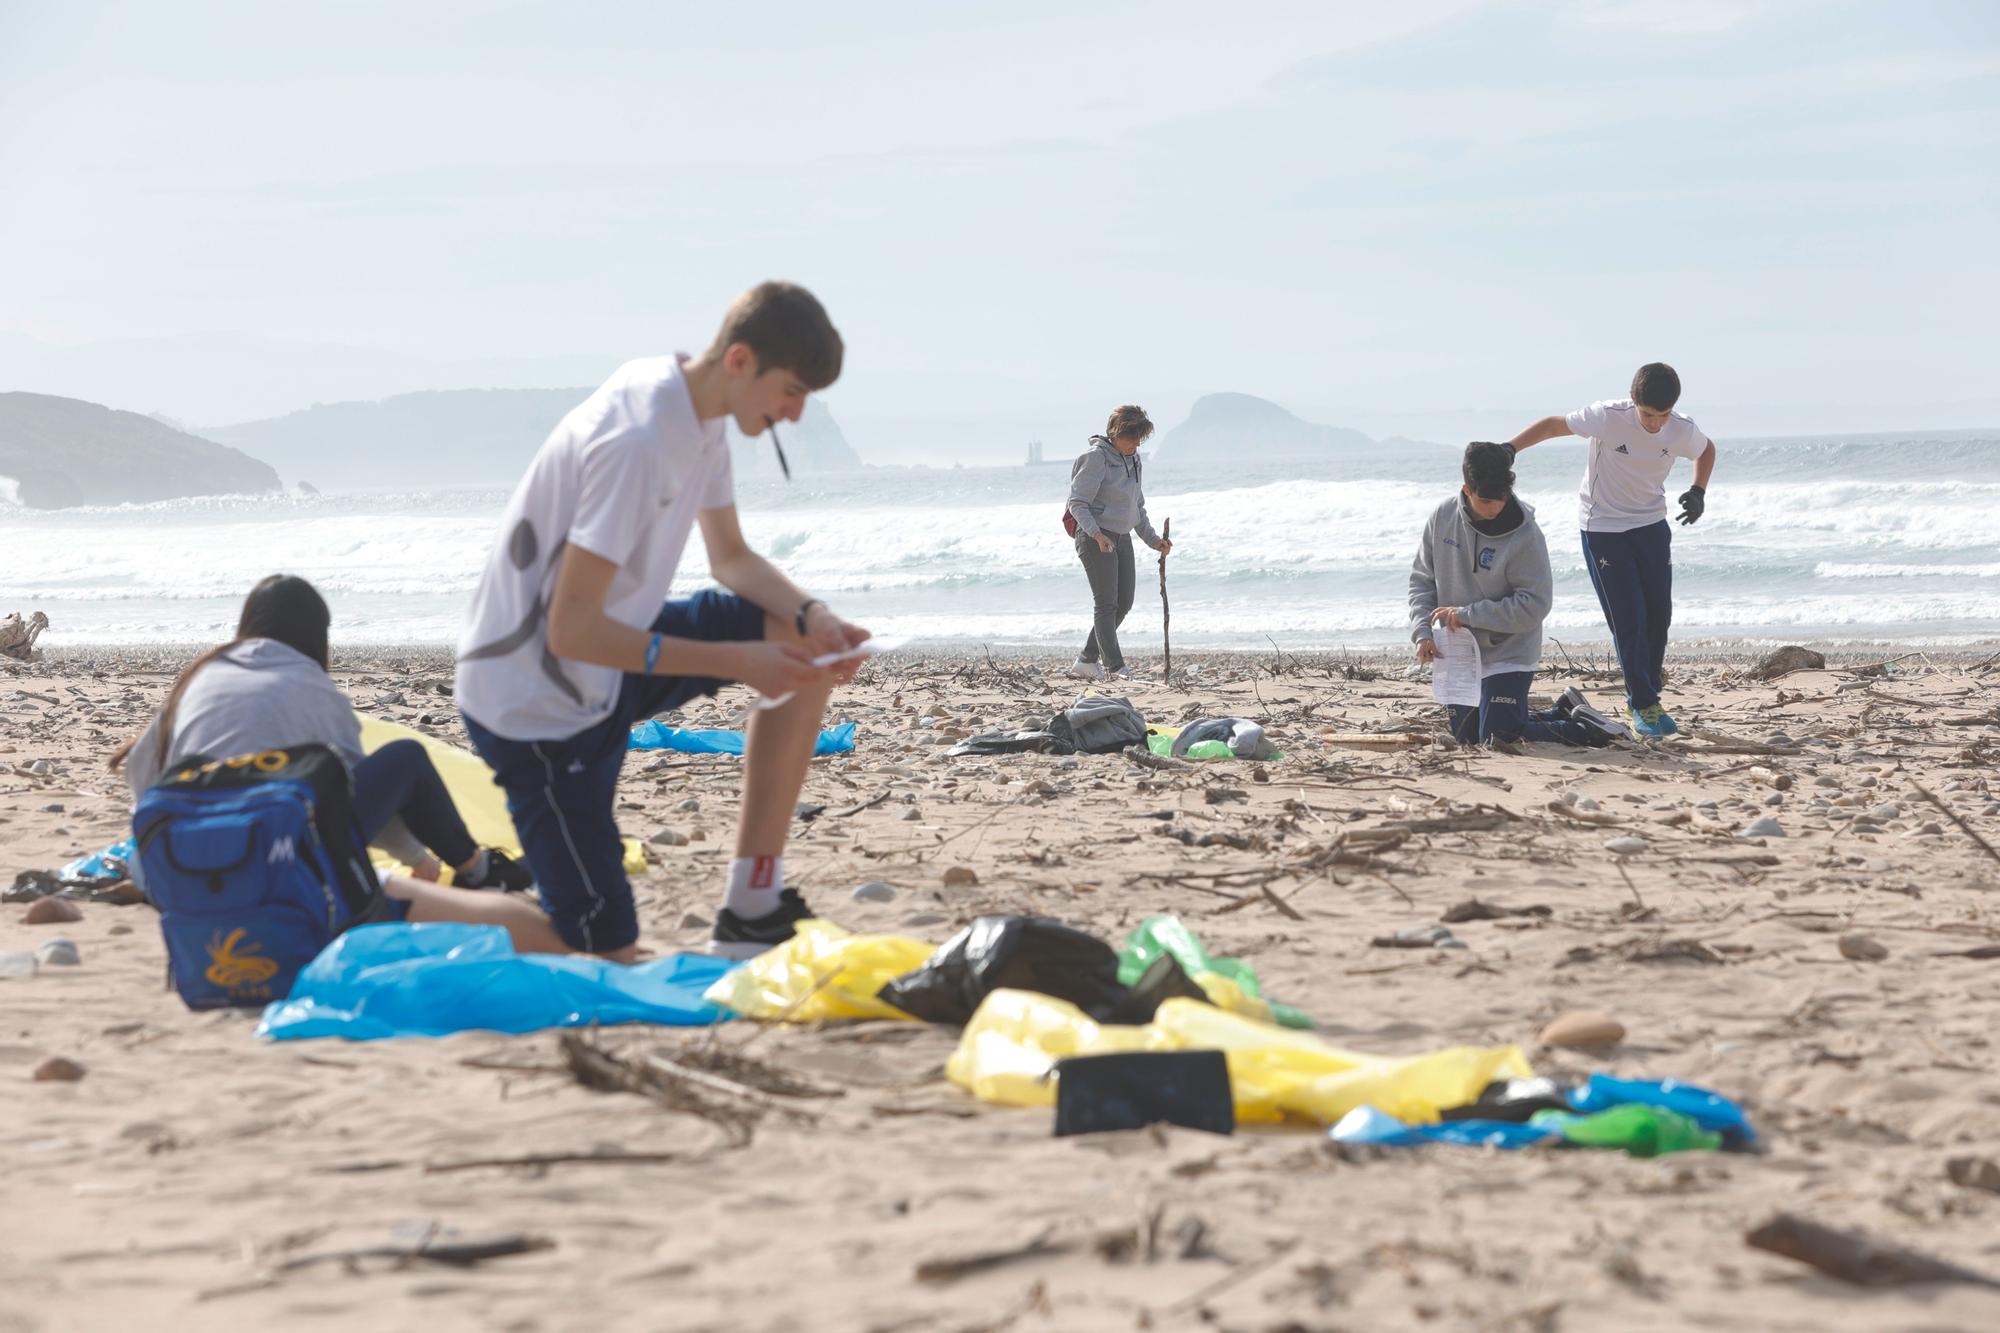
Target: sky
point(1018, 214)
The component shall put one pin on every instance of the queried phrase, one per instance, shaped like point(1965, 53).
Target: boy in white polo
point(1622, 506)
point(571, 637)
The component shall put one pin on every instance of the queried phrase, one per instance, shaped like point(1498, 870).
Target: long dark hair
point(283, 607)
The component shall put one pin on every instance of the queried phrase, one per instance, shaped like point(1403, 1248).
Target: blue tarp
point(1365, 1124)
point(407, 980)
point(654, 734)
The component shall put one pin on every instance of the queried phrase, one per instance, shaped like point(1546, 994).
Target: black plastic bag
point(1134, 1089)
point(1032, 953)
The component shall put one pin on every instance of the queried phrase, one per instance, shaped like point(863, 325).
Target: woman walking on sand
point(1107, 505)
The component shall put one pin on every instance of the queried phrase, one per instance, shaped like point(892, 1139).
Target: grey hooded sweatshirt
point(1500, 582)
point(260, 695)
point(1104, 493)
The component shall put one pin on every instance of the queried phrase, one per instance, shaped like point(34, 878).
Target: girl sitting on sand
point(268, 689)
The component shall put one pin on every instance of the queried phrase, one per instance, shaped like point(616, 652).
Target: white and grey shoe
point(1083, 670)
point(1125, 673)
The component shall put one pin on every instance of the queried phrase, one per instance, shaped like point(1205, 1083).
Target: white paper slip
point(881, 643)
point(1455, 669)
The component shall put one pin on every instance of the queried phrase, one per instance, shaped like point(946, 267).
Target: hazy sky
point(1018, 214)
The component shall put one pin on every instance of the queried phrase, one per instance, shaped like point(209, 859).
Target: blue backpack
point(256, 865)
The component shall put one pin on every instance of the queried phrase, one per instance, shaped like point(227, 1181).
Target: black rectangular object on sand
point(1133, 1089)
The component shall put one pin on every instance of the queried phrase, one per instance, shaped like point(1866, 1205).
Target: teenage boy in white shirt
point(1622, 504)
point(571, 637)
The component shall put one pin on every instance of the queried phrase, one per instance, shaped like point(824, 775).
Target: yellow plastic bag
point(1013, 1042)
point(821, 972)
point(481, 803)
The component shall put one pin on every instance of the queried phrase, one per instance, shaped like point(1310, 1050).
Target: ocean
point(1880, 537)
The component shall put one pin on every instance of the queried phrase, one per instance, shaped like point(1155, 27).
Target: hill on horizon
point(1227, 426)
point(60, 452)
point(471, 437)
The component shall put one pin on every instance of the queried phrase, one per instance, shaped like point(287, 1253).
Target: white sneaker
point(1083, 670)
point(1124, 673)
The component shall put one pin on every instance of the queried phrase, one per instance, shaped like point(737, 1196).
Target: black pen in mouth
point(771, 425)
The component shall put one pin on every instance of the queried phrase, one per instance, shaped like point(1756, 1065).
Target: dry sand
point(174, 1182)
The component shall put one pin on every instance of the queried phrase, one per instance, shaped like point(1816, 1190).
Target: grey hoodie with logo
point(1104, 493)
point(1500, 583)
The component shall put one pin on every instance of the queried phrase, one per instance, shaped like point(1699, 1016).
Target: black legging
point(1113, 585)
point(399, 779)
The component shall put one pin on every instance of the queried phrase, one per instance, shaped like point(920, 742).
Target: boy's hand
point(1427, 652)
point(1446, 616)
point(773, 669)
point(1693, 501)
point(828, 633)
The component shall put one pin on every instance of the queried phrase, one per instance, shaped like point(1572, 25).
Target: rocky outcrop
point(1235, 426)
point(61, 452)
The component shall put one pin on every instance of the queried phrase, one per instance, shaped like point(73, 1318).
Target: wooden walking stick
point(1166, 617)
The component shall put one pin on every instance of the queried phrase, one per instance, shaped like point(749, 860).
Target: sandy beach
point(197, 1176)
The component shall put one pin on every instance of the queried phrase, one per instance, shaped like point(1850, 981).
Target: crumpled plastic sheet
point(821, 972)
point(1230, 983)
point(654, 734)
point(1009, 1050)
point(434, 978)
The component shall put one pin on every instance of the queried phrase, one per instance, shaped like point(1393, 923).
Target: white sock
point(475, 872)
point(754, 885)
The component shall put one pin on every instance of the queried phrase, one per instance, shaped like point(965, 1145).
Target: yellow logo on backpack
point(230, 968)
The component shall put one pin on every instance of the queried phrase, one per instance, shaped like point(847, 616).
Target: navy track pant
point(1633, 573)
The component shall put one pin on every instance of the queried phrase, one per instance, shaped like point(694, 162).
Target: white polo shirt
point(1625, 481)
point(622, 476)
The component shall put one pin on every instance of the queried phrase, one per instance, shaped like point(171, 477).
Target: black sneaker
point(736, 937)
point(503, 873)
point(1571, 700)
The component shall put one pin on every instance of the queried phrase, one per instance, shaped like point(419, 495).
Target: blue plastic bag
point(111, 864)
point(408, 980)
point(1711, 1110)
point(1365, 1124)
point(654, 734)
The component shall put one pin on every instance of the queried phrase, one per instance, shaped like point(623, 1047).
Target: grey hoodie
point(1501, 584)
point(1104, 493)
point(260, 695)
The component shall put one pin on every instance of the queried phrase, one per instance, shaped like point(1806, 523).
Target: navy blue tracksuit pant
point(1503, 715)
point(1633, 573)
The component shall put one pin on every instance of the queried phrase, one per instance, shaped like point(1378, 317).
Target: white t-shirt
point(1625, 481)
point(621, 476)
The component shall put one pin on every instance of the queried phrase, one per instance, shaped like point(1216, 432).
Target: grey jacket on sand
point(260, 695)
point(1104, 493)
point(1501, 584)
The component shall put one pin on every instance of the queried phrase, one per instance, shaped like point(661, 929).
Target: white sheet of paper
point(881, 643)
point(1455, 671)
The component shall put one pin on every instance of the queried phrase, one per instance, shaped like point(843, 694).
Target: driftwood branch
point(1855, 1258)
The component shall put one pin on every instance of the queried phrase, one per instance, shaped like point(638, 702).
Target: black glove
point(1693, 501)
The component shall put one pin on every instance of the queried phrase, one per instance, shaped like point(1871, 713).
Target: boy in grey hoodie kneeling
point(1483, 566)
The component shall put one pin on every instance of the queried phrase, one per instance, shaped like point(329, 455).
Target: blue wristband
point(653, 652)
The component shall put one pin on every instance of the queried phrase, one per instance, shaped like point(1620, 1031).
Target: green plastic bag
point(1643, 1131)
point(1230, 982)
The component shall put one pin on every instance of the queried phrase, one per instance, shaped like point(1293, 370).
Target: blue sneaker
point(1653, 721)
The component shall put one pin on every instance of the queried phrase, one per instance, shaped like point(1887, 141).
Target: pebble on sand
point(50, 911)
point(1583, 1028)
point(874, 892)
point(1767, 827)
point(1627, 846)
point(58, 1069)
point(960, 877)
point(1862, 949)
point(668, 837)
point(58, 952)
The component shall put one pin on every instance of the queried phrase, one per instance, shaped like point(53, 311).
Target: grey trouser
point(1113, 584)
